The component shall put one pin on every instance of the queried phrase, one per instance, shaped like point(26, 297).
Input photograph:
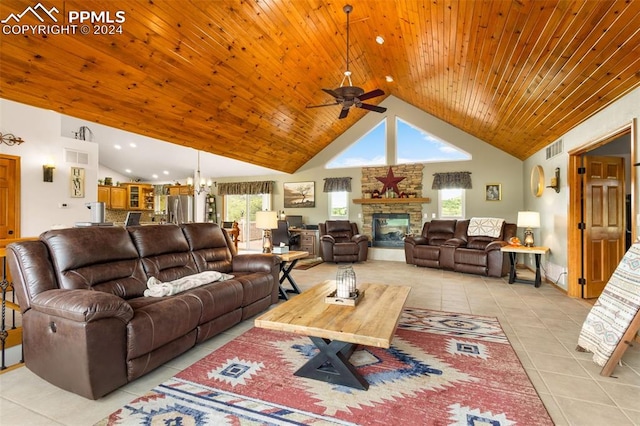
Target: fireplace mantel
point(391, 200)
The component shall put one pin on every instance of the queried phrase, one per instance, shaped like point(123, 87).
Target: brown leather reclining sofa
point(445, 244)
point(87, 326)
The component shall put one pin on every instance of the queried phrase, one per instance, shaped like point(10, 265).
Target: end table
point(513, 251)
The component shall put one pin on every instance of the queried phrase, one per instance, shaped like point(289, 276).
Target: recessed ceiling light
point(132, 145)
point(380, 40)
point(166, 172)
point(117, 147)
point(389, 79)
point(155, 176)
point(127, 170)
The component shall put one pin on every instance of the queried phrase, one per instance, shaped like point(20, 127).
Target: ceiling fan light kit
point(351, 95)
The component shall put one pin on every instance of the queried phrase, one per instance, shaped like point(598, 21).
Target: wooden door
point(9, 196)
point(604, 220)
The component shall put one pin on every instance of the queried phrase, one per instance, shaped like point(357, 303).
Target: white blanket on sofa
point(485, 226)
point(157, 288)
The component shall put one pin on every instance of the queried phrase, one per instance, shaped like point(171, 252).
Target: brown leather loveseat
point(88, 328)
point(447, 244)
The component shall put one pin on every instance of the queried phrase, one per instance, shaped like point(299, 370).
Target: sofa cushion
point(156, 324)
point(164, 251)
point(209, 247)
point(340, 230)
point(440, 231)
point(255, 285)
point(112, 265)
point(346, 248)
point(426, 252)
point(470, 257)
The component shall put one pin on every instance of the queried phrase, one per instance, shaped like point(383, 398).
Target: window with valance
point(243, 188)
point(339, 184)
point(452, 180)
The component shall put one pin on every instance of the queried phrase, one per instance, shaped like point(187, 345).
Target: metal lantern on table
point(345, 282)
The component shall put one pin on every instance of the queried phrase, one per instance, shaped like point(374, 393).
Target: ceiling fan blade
point(371, 94)
point(323, 105)
point(372, 107)
point(343, 113)
point(332, 93)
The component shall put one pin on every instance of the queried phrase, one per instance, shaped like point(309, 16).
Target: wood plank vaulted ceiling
point(234, 77)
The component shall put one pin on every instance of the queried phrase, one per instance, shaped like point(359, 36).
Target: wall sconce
point(47, 172)
point(555, 181)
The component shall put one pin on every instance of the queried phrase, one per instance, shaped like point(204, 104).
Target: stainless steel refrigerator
point(180, 209)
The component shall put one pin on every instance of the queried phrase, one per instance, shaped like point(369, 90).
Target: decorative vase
point(345, 282)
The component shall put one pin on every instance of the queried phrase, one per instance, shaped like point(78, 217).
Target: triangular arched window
point(369, 150)
point(414, 145)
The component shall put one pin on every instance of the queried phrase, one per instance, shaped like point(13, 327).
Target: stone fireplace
point(412, 207)
point(389, 229)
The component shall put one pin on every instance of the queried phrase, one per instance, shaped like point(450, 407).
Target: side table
point(513, 251)
point(289, 261)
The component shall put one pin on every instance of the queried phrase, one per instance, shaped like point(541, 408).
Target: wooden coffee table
point(337, 330)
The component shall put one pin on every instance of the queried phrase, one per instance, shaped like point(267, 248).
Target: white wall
point(554, 207)
point(40, 130)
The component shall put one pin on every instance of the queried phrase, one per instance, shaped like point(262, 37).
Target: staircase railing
point(10, 331)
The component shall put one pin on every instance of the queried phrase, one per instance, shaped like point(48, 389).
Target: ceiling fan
point(350, 95)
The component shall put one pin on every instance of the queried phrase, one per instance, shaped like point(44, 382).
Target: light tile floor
point(542, 325)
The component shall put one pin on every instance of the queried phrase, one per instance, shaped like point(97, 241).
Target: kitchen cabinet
point(113, 197)
point(309, 241)
point(180, 190)
point(139, 196)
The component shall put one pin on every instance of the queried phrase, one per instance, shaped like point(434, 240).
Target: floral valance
point(339, 184)
point(452, 180)
point(242, 188)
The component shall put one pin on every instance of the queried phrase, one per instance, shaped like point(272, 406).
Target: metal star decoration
point(390, 182)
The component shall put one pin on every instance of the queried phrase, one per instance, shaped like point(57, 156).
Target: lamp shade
point(528, 220)
point(266, 220)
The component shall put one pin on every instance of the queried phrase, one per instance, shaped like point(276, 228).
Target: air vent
point(554, 149)
point(76, 157)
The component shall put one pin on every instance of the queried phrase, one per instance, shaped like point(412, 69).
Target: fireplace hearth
point(389, 229)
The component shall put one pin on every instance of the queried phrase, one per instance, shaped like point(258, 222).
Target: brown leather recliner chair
point(341, 242)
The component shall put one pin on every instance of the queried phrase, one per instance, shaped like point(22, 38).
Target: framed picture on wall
point(299, 194)
point(77, 182)
point(493, 192)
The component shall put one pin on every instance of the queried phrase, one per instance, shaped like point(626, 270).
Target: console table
point(513, 251)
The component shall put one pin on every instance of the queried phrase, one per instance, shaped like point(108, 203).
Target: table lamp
point(266, 220)
point(528, 220)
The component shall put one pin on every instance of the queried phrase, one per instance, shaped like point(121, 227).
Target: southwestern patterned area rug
point(442, 369)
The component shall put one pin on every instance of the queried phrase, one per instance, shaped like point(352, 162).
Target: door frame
point(18, 193)
point(574, 236)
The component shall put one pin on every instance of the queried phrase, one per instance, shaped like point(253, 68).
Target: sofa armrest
point(455, 242)
point(82, 305)
point(328, 238)
point(495, 245)
point(256, 263)
point(358, 238)
point(416, 241)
